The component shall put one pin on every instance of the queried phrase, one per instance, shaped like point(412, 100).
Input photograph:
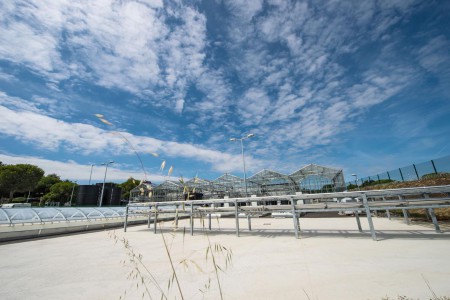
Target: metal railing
point(366, 202)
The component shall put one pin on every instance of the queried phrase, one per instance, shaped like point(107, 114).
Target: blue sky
point(358, 85)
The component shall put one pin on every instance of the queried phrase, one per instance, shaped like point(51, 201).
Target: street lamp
point(356, 180)
point(104, 179)
point(90, 176)
point(243, 159)
point(73, 188)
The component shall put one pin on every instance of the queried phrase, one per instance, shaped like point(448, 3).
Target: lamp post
point(243, 159)
point(90, 176)
point(356, 180)
point(104, 179)
point(71, 196)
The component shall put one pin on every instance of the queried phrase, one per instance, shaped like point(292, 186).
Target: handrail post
point(294, 219)
point(358, 221)
point(126, 220)
point(236, 212)
point(192, 219)
point(155, 220)
point(369, 217)
point(434, 219)
point(209, 220)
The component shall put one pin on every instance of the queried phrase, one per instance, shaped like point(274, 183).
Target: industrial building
point(89, 195)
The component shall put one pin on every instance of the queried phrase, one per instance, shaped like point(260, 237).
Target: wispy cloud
point(55, 135)
point(299, 74)
point(305, 93)
point(127, 45)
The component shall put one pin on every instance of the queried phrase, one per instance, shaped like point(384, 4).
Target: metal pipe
point(243, 157)
point(245, 172)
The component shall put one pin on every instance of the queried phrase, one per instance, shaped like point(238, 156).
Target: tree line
point(25, 182)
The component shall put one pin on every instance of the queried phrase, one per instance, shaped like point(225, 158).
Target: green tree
point(46, 182)
point(19, 178)
point(127, 186)
point(60, 192)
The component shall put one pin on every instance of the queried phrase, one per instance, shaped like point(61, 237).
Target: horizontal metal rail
point(366, 202)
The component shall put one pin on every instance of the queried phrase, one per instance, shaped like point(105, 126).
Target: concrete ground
point(332, 260)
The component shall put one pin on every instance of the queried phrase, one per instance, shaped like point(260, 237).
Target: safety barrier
point(363, 202)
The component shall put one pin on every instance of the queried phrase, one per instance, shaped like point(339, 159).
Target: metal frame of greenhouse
point(310, 179)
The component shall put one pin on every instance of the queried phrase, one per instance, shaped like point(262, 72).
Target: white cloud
point(55, 135)
point(253, 106)
point(434, 55)
point(244, 10)
point(129, 45)
point(305, 93)
point(179, 105)
point(72, 170)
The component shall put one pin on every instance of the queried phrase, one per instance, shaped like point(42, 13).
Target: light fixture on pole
point(73, 188)
point(356, 180)
point(243, 159)
point(90, 176)
point(104, 179)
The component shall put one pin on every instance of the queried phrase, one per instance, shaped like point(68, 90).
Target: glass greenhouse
point(309, 179)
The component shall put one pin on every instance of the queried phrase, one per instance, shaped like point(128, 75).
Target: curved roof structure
point(58, 214)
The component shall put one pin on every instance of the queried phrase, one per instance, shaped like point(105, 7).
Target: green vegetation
point(19, 178)
point(29, 182)
point(60, 192)
point(436, 175)
point(22, 182)
point(46, 182)
point(376, 182)
point(127, 186)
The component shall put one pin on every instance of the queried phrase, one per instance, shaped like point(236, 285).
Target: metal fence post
point(417, 174)
point(434, 167)
point(401, 174)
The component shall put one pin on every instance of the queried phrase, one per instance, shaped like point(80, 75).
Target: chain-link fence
point(408, 173)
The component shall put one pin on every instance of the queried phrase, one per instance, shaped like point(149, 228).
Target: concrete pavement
point(332, 260)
